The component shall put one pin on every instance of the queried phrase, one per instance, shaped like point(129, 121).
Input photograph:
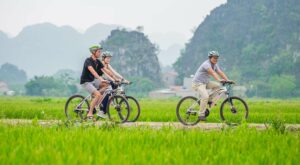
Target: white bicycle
point(118, 110)
point(233, 109)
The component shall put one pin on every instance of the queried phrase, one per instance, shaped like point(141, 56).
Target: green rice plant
point(154, 110)
point(110, 144)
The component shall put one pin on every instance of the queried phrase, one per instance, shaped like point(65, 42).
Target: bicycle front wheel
point(118, 109)
point(76, 108)
point(187, 110)
point(234, 110)
point(135, 109)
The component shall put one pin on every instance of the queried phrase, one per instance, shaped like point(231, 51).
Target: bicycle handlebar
point(224, 82)
point(119, 83)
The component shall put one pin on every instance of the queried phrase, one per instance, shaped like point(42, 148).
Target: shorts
point(92, 86)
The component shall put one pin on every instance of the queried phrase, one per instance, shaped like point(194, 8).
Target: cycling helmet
point(213, 53)
point(94, 48)
point(106, 54)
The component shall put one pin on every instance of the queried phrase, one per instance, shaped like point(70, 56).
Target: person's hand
point(227, 81)
point(222, 81)
point(126, 81)
point(105, 81)
point(118, 80)
point(231, 81)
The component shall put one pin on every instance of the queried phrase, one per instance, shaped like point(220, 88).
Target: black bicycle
point(233, 109)
point(118, 110)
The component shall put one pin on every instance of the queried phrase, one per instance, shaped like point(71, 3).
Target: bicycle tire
point(120, 100)
point(180, 106)
point(77, 113)
point(235, 100)
point(137, 109)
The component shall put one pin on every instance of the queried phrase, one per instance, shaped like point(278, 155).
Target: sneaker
point(202, 118)
point(101, 114)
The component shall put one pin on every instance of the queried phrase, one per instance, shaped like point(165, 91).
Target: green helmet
point(94, 48)
point(213, 53)
point(106, 54)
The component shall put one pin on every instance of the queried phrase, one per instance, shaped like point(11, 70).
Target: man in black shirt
point(91, 77)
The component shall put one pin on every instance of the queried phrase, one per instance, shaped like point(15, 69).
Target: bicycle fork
point(117, 106)
point(232, 108)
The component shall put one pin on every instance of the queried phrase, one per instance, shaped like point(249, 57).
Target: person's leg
point(104, 104)
point(201, 89)
point(96, 97)
point(213, 86)
point(101, 88)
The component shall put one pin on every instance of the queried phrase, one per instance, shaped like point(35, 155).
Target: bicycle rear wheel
point(118, 109)
point(234, 110)
point(76, 108)
point(135, 109)
point(187, 110)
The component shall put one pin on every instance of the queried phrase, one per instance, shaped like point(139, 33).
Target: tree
point(282, 86)
point(282, 64)
point(48, 86)
point(11, 74)
point(140, 85)
point(134, 55)
point(257, 41)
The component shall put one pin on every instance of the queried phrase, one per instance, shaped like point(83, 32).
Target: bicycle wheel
point(234, 110)
point(76, 108)
point(187, 110)
point(118, 109)
point(134, 107)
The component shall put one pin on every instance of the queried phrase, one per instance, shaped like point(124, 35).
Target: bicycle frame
point(121, 88)
point(225, 90)
point(108, 91)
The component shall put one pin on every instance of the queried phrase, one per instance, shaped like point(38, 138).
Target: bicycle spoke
point(119, 110)
point(234, 110)
point(187, 109)
point(76, 107)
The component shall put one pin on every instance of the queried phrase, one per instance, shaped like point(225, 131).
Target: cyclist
point(201, 80)
point(106, 56)
point(91, 77)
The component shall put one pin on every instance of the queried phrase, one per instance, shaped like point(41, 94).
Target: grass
point(32, 144)
point(260, 111)
point(111, 144)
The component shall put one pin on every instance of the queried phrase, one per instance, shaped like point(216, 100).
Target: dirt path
point(204, 126)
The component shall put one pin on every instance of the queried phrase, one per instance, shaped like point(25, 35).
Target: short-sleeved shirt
point(201, 75)
point(86, 75)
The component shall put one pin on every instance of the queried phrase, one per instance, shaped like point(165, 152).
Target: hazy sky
point(157, 16)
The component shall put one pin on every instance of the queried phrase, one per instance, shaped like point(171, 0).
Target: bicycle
point(118, 110)
point(135, 109)
point(232, 110)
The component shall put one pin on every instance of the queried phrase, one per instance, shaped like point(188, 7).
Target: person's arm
point(213, 74)
point(115, 72)
point(108, 74)
point(92, 70)
point(222, 74)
